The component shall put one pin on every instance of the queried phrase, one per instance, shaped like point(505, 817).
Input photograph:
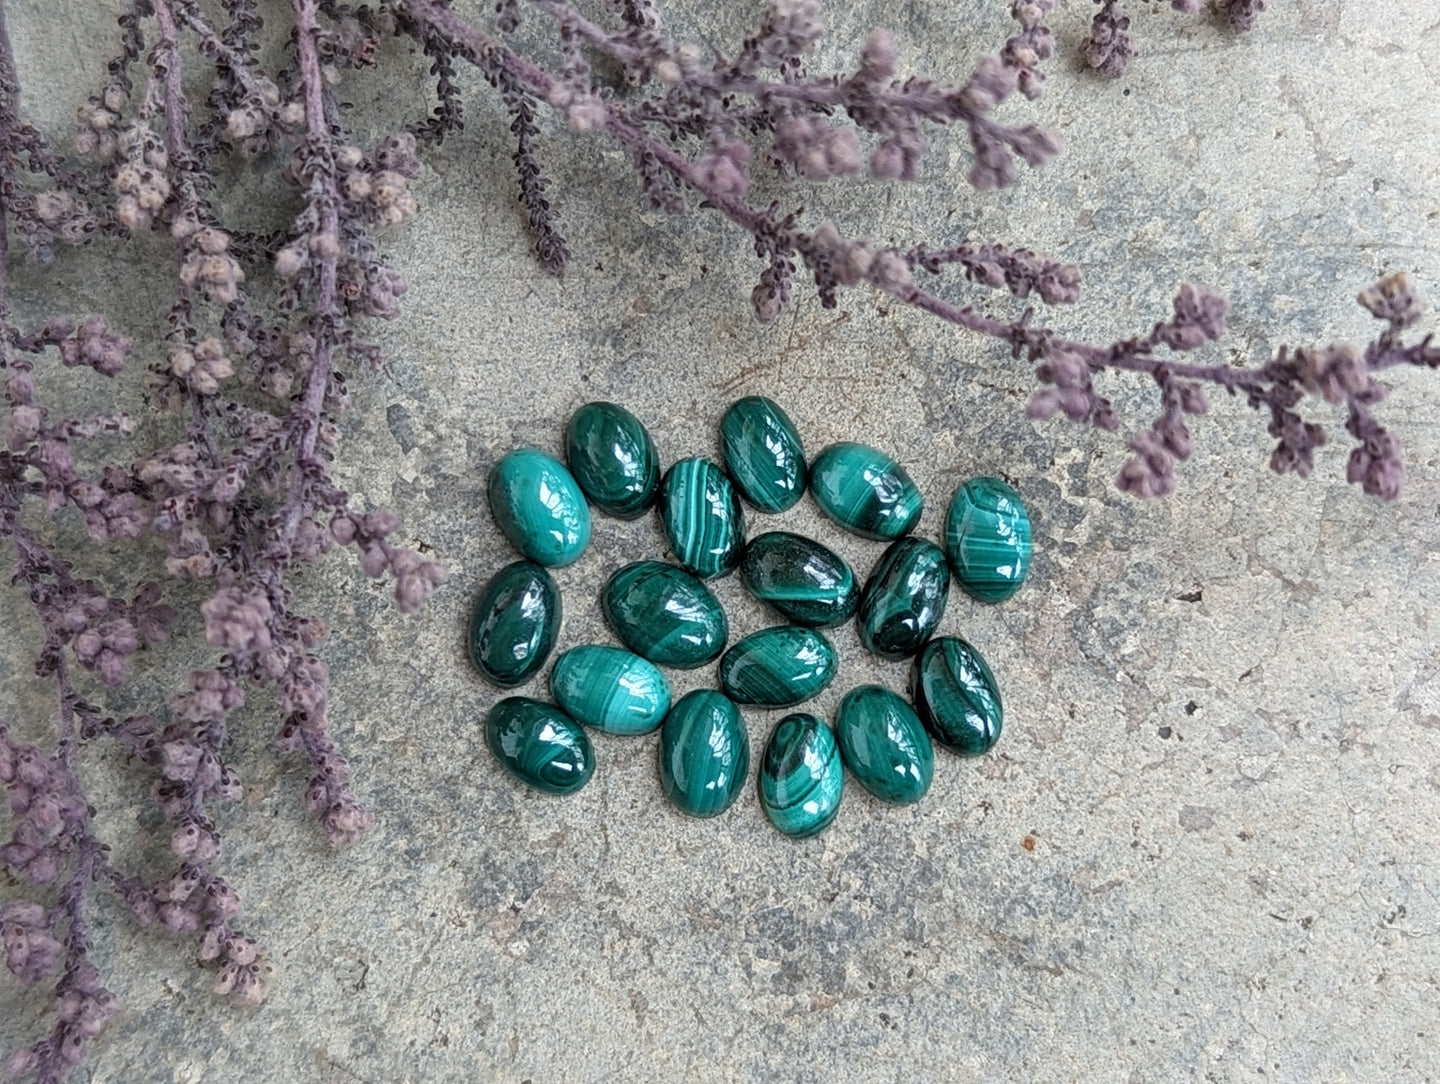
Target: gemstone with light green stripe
point(865, 491)
point(987, 539)
point(613, 459)
point(704, 753)
point(956, 696)
point(884, 744)
point(904, 598)
point(662, 612)
point(610, 689)
point(514, 623)
point(703, 519)
point(799, 578)
point(763, 453)
point(801, 778)
point(778, 667)
point(539, 745)
point(539, 508)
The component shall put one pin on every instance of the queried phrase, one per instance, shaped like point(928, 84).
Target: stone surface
point(956, 696)
point(664, 613)
point(884, 744)
point(704, 522)
point(801, 777)
point(778, 667)
point(799, 579)
point(704, 753)
point(514, 623)
point(763, 453)
point(865, 491)
point(539, 745)
point(904, 598)
point(613, 459)
point(538, 507)
point(610, 689)
point(988, 539)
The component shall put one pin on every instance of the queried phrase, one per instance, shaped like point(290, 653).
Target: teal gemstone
point(987, 538)
point(799, 579)
point(904, 598)
point(514, 623)
point(539, 508)
point(778, 667)
point(865, 491)
point(956, 696)
point(763, 453)
point(884, 744)
point(704, 753)
point(612, 459)
point(801, 779)
point(611, 689)
point(539, 745)
point(665, 614)
point(703, 520)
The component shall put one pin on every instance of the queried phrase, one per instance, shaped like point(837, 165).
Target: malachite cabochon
point(611, 689)
point(801, 778)
point(904, 598)
point(799, 579)
point(704, 753)
point(612, 459)
point(884, 744)
point(514, 623)
point(539, 745)
point(987, 539)
point(778, 667)
point(662, 612)
point(763, 453)
point(539, 508)
point(865, 491)
point(956, 696)
point(703, 519)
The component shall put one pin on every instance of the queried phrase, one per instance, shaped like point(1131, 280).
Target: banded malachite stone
point(904, 598)
point(778, 667)
point(799, 579)
point(865, 491)
point(539, 508)
point(539, 745)
point(763, 453)
point(987, 538)
point(611, 689)
point(514, 623)
point(704, 753)
point(884, 744)
point(665, 614)
point(703, 521)
point(612, 458)
point(956, 696)
point(801, 779)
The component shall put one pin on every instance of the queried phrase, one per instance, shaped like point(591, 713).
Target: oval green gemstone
point(884, 744)
point(539, 745)
point(612, 459)
point(514, 623)
point(539, 508)
point(704, 753)
point(865, 491)
point(763, 453)
point(703, 520)
point(611, 689)
point(987, 538)
point(956, 696)
point(778, 667)
point(799, 579)
point(904, 598)
point(665, 614)
point(801, 779)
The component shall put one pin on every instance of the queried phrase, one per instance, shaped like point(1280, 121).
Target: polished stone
point(704, 753)
point(539, 745)
point(612, 459)
point(956, 696)
point(703, 520)
point(539, 508)
point(799, 579)
point(778, 667)
point(801, 777)
point(904, 598)
point(610, 689)
point(514, 623)
point(865, 491)
point(988, 539)
point(662, 612)
point(884, 744)
point(763, 453)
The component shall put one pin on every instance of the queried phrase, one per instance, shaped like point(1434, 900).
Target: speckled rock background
point(1205, 847)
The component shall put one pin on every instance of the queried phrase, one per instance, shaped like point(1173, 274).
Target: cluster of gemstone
point(666, 616)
